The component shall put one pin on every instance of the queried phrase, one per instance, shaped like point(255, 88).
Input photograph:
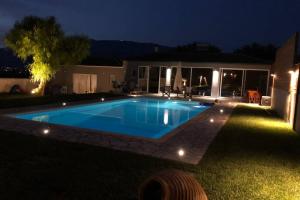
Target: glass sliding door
point(153, 79)
point(163, 75)
point(232, 83)
point(173, 74)
point(143, 78)
point(201, 81)
point(256, 80)
point(186, 76)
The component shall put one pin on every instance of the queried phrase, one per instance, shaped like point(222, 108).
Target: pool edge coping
point(198, 118)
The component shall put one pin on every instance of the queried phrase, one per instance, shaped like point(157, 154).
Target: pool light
point(64, 104)
point(46, 131)
point(211, 120)
point(169, 98)
point(181, 152)
point(102, 99)
point(190, 99)
point(197, 106)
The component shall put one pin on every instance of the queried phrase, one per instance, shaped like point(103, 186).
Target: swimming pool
point(140, 117)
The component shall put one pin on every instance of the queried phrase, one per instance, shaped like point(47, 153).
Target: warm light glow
point(166, 117)
point(64, 104)
point(215, 84)
point(34, 91)
point(133, 95)
point(46, 131)
point(181, 152)
point(272, 88)
point(211, 120)
point(102, 99)
point(190, 99)
point(292, 97)
point(221, 110)
point(168, 77)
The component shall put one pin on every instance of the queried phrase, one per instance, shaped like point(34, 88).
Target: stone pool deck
point(193, 137)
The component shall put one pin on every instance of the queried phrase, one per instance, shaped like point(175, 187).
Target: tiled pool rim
point(193, 136)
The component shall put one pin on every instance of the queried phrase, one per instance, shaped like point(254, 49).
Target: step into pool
point(140, 117)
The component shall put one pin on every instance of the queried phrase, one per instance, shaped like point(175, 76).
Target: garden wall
point(7, 83)
point(283, 97)
point(105, 75)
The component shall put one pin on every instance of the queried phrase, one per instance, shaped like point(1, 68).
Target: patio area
point(192, 138)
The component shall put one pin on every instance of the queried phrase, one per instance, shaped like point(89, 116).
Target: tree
point(42, 41)
point(265, 52)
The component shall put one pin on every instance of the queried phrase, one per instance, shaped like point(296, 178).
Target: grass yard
point(255, 156)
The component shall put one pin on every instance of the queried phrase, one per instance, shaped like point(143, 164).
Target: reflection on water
point(166, 116)
point(41, 118)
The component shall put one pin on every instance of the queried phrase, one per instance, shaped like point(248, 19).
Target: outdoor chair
point(177, 91)
point(253, 96)
point(166, 90)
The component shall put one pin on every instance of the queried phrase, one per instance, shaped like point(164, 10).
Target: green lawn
point(20, 100)
point(255, 156)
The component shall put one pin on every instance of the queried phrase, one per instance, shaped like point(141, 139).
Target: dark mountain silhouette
point(124, 49)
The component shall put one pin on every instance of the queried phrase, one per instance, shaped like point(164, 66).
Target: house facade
point(285, 82)
point(220, 76)
point(80, 79)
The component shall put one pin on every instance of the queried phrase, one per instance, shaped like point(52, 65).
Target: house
point(92, 76)
point(207, 74)
point(285, 82)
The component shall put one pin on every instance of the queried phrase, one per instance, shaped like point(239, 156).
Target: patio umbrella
point(178, 79)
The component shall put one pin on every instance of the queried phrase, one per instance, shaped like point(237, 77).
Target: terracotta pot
point(171, 185)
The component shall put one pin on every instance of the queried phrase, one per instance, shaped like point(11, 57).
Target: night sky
point(225, 23)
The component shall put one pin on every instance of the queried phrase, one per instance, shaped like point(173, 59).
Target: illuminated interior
point(168, 76)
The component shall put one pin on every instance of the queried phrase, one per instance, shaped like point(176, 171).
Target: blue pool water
point(141, 117)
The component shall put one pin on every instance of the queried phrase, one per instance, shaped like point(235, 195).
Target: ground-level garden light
point(221, 110)
point(181, 152)
point(46, 131)
point(211, 120)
